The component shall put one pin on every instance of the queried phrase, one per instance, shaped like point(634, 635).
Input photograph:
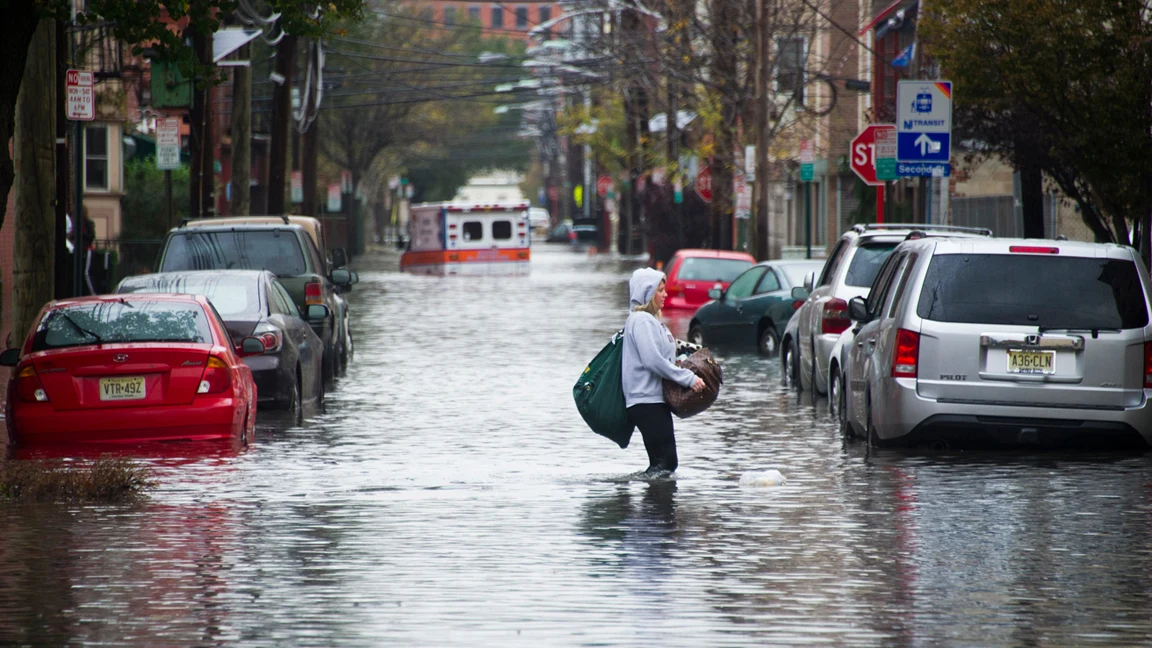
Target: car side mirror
point(715, 293)
point(858, 309)
point(355, 276)
point(799, 293)
point(317, 312)
point(339, 258)
point(342, 277)
point(251, 346)
point(9, 357)
point(809, 282)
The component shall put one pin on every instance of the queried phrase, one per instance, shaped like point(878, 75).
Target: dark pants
point(655, 423)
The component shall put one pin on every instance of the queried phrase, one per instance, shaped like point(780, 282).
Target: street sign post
point(604, 186)
point(863, 161)
point(296, 192)
point(80, 103)
point(924, 127)
point(743, 194)
point(168, 144)
point(704, 184)
point(807, 158)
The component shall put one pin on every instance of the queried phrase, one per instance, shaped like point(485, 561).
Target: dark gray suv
point(286, 250)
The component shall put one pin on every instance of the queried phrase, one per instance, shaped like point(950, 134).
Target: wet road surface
point(451, 496)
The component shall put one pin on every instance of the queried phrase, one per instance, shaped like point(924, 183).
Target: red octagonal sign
point(864, 153)
point(704, 184)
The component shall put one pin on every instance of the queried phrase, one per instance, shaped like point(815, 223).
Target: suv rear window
point(275, 250)
point(724, 270)
point(1050, 292)
point(866, 263)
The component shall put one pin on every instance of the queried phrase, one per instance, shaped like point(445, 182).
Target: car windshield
point(1051, 292)
point(108, 322)
point(705, 269)
point(231, 296)
point(866, 263)
point(277, 250)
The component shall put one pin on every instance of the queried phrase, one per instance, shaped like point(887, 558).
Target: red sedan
point(692, 273)
point(129, 368)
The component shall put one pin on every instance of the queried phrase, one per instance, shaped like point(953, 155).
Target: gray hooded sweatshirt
point(649, 348)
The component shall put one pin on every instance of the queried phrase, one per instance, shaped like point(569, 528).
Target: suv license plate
point(131, 388)
point(1031, 362)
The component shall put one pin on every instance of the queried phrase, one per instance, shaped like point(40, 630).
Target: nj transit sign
point(924, 121)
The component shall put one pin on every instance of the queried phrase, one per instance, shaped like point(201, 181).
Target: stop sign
point(704, 184)
point(864, 153)
point(603, 186)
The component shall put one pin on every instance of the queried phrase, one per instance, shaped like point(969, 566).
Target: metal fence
point(997, 213)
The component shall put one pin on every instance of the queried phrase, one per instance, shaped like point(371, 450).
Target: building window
point(521, 17)
point(96, 158)
point(474, 13)
point(545, 14)
point(497, 16)
point(449, 15)
point(790, 72)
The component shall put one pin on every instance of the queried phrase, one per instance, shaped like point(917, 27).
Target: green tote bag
point(599, 394)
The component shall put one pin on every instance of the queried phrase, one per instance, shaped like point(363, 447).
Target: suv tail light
point(313, 292)
point(835, 318)
point(216, 377)
point(1033, 249)
point(907, 354)
point(1148, 365)
point(28, 386)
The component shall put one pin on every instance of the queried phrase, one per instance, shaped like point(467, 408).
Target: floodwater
point(451, 496)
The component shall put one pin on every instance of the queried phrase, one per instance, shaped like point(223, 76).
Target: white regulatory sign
point(168, 144)
point(80, 101)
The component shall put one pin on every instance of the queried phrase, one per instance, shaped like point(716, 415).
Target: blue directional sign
point(924, 122)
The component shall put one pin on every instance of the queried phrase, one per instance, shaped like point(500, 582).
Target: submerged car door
point(731, 316)
point(869, 341)
point(767, 293)
point(809, 322)
point(285, 315)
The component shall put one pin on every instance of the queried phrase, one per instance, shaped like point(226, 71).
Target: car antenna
point(285, 217)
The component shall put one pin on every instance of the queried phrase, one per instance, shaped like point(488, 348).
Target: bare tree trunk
point(16, 31)
point(242, 137)
point(33, 269)
point(281, 116)
point(725, 74)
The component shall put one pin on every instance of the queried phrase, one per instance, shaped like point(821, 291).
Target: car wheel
point(696, 335)
point(769, 343)
point(873, 438)
point(295, 407)
point(787, 360)
point(833, 390)
point(321, 398)
point(327, 370)
point(839, 396)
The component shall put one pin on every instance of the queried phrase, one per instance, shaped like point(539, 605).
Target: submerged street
point(451, 495)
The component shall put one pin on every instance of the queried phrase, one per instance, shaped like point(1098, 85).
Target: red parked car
point(692, 273)
point(130, 368)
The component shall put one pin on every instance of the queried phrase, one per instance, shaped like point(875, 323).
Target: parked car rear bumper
point(271, 386)
point(207, 418)
point(903, 417)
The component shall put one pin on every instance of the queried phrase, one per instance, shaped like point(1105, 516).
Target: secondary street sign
point(924, 121)
point(80, 101)
point(168, 144)
point(863, 150)
point(885, 154)
point(704, 184)
point(806, 161)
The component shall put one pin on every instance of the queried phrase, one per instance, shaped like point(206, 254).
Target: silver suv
point(849, 272)
point(1002, 341)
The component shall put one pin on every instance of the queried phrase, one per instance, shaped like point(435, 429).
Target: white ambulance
point(457, 238)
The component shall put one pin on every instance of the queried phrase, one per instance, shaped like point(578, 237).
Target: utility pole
point(241, 136)
point(35, 152)
point(281, 116)
point(201, 185)
point(760, 226)
point(63, 269)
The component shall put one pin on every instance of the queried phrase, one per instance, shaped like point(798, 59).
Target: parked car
point(539, 219)
point(286, 250)
point(693, 272)
point(336, 257)
point(130, 368)
point(789, 359)
point(1009, 341)
point(562, 233)
point(253, 303)
point(754, 309)
point(848, 273)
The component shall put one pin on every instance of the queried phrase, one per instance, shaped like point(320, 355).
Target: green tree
point(1059, 85)
point(137, 22)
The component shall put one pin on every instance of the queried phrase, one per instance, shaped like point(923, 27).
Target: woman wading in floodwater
point(649, 351)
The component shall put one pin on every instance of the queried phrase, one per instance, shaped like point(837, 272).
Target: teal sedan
point(755, 308)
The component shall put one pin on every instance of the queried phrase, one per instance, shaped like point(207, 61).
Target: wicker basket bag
point(682, 400)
